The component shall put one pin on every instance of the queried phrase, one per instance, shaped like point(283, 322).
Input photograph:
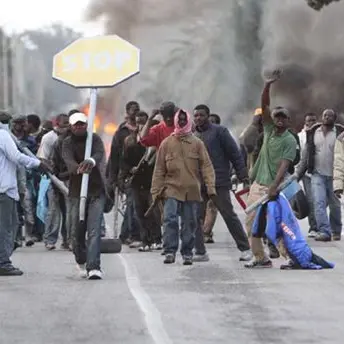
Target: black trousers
point(224, 205)
point(150, 229)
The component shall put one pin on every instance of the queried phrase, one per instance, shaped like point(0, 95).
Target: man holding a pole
point(87, 255)
point(277, 153)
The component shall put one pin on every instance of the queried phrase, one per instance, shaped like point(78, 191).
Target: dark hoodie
point(73, 153)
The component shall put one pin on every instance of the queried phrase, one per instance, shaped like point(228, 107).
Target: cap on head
point(280, 111)
point(77, 117)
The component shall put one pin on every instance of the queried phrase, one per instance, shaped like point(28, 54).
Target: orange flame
point(97, 121)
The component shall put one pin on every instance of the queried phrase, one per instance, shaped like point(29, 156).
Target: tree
point(42, 45)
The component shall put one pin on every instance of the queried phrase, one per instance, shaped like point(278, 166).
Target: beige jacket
point(182, 164)
point(338, 166)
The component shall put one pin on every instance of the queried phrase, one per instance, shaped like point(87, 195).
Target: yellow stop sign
point(103, 61)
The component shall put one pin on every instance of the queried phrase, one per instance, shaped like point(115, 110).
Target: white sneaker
point(82, 270)
point(246, 256)
point(95, 275)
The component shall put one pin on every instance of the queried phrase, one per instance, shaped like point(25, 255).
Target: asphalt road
point(142, 301)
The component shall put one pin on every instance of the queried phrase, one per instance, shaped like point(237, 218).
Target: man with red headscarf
point(180, 159)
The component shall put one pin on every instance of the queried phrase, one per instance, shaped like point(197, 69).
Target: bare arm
point(265, 98)
point(282, 170)
point(145, 130)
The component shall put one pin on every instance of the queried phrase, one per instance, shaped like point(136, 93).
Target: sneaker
point(50, 247)
point(11, 271)
point(29, 243)
point(201, 257)
point(169, 258)
point(312, 234)
point(95, 275)
point(156, 247)
point(254, 263)
point(144, 249)
point(135, 244)
point(163, 253)
point(82, 270)
point(273, 252)
point(187, 260)
point(159, 246)
point(208, 238)
point(64, 246)
point(336, 237)
point(246, 256)
point(322, 237)
point(289, 265)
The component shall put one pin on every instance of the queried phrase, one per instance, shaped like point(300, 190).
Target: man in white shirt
point(10, 158)
point(56, 200)
point(310, 120)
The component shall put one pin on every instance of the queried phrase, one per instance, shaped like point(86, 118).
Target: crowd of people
point(176, 172)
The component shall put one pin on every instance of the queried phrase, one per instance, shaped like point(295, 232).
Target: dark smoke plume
point(319, 4)
point(214, 52)
point(306, 45)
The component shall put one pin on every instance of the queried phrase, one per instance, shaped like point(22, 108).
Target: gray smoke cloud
point(306, 45)
point(214, 52)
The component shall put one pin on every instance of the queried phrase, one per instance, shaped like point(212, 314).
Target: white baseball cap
point(77, 117)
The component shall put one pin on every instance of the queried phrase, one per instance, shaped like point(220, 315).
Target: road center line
point(152, 315)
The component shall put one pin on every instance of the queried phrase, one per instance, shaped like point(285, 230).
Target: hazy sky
point(18, 15)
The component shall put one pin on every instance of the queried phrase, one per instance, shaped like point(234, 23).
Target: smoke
point(214, 52)
point(306, 45)
point(193, 52)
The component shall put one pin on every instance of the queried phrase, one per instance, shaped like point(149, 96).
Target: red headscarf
point(187, 129)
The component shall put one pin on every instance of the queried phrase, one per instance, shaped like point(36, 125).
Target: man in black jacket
point(224, 152)
point(136, 172)
point(129, 231)
point(87, 255)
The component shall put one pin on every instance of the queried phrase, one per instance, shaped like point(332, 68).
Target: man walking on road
point(181, 162)
point(10, 158)
point(56, 200)
point(87, 255)
point(223, 152)
point(310, 120)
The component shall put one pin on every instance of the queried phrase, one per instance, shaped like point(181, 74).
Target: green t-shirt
point(274, 149)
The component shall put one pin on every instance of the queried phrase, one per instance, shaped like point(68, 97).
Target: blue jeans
point(90, 253)
point(323, 196)
point(188, 211)
point(8, 229)
point(307, 184)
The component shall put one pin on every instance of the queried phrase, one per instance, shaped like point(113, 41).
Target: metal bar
point(57, 182)
point(88, 151)
point(265, 198)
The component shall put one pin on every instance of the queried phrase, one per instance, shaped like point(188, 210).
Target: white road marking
point(152, 315)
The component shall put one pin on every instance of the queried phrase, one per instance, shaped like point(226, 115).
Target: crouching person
point(87, 255)
point(182, 161)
